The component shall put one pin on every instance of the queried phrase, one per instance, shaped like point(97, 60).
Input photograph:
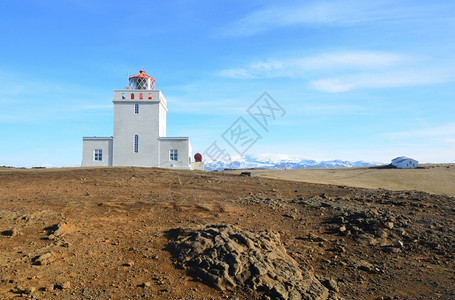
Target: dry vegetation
point(436, 179)
point(106, 233)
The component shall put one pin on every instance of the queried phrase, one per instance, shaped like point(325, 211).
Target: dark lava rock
point(230, 258)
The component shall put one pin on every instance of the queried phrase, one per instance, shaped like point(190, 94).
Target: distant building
point(139, 131)
point(404, 162)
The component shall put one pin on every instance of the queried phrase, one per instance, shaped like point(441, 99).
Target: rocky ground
point(117, 233)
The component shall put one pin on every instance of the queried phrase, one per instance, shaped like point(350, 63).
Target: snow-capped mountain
point(281, 162)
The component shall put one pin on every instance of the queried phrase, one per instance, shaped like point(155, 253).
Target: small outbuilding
point(404, 162)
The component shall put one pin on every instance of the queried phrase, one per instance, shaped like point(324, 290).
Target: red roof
point(142, 75)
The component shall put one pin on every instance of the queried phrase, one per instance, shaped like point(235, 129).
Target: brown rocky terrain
point(119, 233)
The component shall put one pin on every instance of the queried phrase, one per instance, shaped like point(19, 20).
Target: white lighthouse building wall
point(181, 148)
point(162, 120)
point(142, 118)
point(97, 151)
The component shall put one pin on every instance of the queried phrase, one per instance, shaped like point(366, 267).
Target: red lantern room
point(142, 81)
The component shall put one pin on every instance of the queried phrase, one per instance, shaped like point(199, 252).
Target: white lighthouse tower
point(139, 131)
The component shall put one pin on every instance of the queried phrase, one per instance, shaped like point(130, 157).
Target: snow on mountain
point(274, 161)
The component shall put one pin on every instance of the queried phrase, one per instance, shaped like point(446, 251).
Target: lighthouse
point(139, 137)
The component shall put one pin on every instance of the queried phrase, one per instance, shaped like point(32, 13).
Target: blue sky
point(359, 80)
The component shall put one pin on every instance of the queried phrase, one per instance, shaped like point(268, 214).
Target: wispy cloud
point(353, 69)
point(353, 59)
point(331, 85)
point(444, 133)
point(299, 67)
point(329, 109)
point(335, 13)
point(385, 79)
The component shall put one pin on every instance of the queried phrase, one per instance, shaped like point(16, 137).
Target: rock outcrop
point(229, 258)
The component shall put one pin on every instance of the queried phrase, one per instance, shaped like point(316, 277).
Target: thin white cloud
point(353, 59)
point(385, 79)
point(354, 69)
point(299, 67)
point(279, 16)
point(329, 109)
point(334, 13)
point(258, 69)
point(444, 133)
point(331, 85)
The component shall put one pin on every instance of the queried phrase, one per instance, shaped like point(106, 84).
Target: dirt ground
point(436, 179)
point(102, 233)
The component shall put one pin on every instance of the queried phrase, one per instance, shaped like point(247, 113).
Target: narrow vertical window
point(150, 96)
point(136, 143)
point(173, 155)
point(98, 155)
point(123, 96)
point(141, 96)
point(136, 108)
point(132, 96)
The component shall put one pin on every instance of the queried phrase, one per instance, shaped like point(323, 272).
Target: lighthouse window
point(150, 96)
point(98, 154)
point(141, 96)
point(173, 154)
point(136, 143)
point(132, 96)
point(136, 108)
point(123, 96)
